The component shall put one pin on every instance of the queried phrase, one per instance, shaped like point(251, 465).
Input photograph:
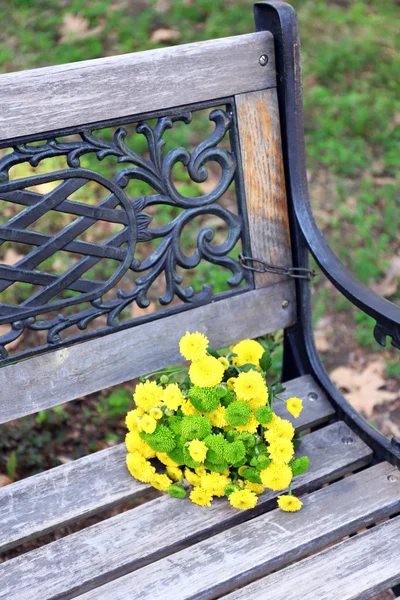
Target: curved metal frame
point(300, 353)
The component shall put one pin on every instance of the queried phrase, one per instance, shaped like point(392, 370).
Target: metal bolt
point(347, 440)
point(391, 478)
point(285, 303)
point(263, 60)
point(312, 396)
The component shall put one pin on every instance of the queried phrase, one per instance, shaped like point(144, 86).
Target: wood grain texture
point(59, 376)
point(158, 528)
point(264, 180)
point(106, 88)
point(355, 569)
point(268, 542)
point(36, 505)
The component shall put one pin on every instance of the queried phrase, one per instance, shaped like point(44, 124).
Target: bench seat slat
point(355, 569)
point(100, 363)
point(160, 527)
point(38, 504)
point(73, 94)
point(250, 550)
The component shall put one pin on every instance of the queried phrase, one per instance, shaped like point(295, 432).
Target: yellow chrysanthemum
point(188, 409)
point(193, 346)
point(294, 406)
point(147, 424)
point(282, 428)
point(214, 483)
point(200, 470)
point(134, 443)
point(197, 450)
point(276, 477)
point(199, 496)
point(231, 383)
point(156, 413)
point(139, 467)
point(257, 488)
point(165, 459)
point(131, 419)
point(272, 422)
point(173, 397)
point(160, 482)
point(257, 402)
point(243, 499)
point(147, 395)
point(248, 352)
point(192, 477)
point(281, 450)
point(249, 385)
point(251, 425)
point(289, 503)
point(174, 473)
point(206, 372)
point(217, 417)
point(224, 362)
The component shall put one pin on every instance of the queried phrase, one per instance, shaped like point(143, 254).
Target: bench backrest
point(84, 344)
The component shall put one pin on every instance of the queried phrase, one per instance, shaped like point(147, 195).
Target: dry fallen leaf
point(363, 389)
point(164, 35)
point(4, 480)
point(388, 286)
point(76, 27)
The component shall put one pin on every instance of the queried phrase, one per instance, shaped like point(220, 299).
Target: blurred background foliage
point(351, 65)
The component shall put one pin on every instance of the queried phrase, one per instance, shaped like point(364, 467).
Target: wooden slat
point(163, 526)
point(252, 549)
point(97, 364)
point(38, 504)
point(356, 569)
point(264, 180)
point(85, 92)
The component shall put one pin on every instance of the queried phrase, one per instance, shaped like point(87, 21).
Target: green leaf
point(278, 388)
point(247, 367)
point(266, 361)
point(213, 352)
point(11, 465)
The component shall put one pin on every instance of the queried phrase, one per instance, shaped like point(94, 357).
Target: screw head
point(285, 303)
point(312, 396)
point(391, 478)
point(263, 60)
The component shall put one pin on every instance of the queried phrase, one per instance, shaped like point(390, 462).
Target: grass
point(351, 60)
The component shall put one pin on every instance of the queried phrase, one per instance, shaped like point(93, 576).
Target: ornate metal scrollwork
point(56, 292)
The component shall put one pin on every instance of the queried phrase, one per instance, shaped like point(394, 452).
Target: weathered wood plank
point(264, 180)
point(106, 88)
point(250, 550)
point(36, 505)
point(355, 569)
point(97, 364)
point(163, 526)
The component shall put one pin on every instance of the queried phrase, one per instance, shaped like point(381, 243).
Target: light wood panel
point(85, 92)
point(356, 569)
point(264, 180)
point(36, 505)
point(250, 550)
point(163, 526)
point(97, 364)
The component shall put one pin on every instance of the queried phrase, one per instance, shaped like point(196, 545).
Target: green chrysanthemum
point(247, 439)
point(204, 399)
point(263, 414)
point(195, 427)
point(177, 453)
point(235, 452)
point(228, 398)
point(262, 462)
point(188, 460)
point(230, 488)
point(161, 440)
point(176, 491)
point(299, 465)
point(216, 444)
point(217, 467)
point(232, 435)
point(251, 474)
point(238, 413)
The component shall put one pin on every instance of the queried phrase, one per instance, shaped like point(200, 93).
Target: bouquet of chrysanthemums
point(214, 432)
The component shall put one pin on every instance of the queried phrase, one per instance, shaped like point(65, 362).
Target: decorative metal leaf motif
point(156, 170)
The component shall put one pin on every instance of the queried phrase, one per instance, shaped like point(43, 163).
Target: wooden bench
point(163, 548)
